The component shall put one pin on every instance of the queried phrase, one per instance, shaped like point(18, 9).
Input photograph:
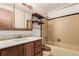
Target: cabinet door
point(12, 51)
point(38, 48)
point(29, 49)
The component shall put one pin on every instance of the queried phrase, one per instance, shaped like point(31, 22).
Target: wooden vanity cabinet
point(38, 48)
point(12, 51)
point(28, 49)
point(33, 48)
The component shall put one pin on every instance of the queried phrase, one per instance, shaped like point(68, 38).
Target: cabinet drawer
point(38, 43)
point(38, 49)
point(28, 49)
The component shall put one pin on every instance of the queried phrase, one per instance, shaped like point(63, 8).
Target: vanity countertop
point(18, 41)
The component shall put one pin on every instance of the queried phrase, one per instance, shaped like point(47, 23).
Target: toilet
point(46, 51)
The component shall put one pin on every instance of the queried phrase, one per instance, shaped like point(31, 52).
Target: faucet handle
point(19, 36)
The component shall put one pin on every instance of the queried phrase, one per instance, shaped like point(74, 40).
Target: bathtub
point(60, 51)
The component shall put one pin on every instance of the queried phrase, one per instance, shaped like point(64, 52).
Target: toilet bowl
point(46, 51)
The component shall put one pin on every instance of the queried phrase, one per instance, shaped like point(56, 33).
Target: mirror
point(23, 16)
point(16, 16)
point(6, 17)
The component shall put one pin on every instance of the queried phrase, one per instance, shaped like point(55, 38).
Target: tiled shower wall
point(36, 28)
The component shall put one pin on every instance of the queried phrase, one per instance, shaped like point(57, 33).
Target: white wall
point(68, 10)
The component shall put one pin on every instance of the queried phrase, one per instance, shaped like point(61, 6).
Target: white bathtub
point(58, 51)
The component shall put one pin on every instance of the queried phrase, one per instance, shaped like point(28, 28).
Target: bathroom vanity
point(31, 46)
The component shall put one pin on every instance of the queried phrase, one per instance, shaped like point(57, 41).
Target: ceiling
point(44, 8)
